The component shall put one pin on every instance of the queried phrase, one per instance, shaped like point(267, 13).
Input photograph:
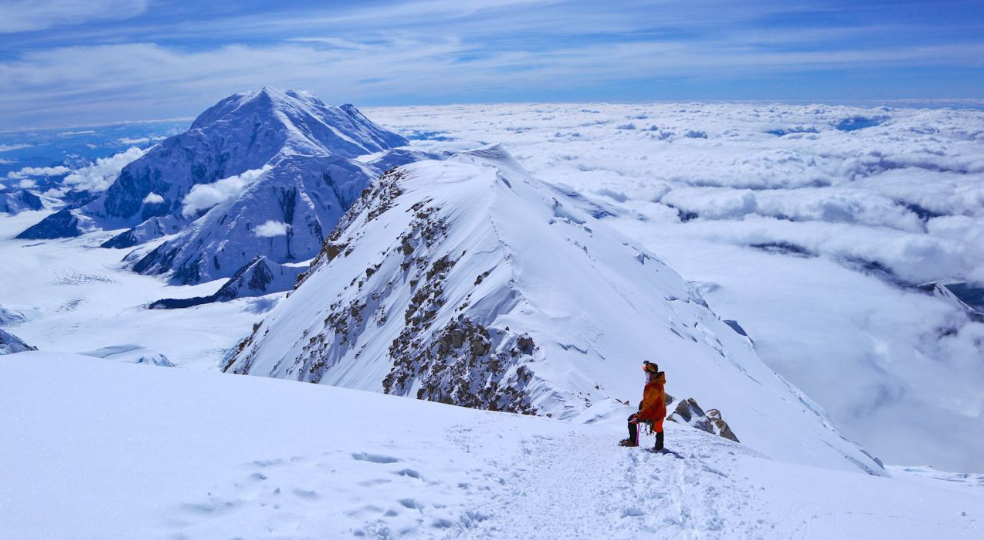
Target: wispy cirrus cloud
point(175, 62)
point(31, 15)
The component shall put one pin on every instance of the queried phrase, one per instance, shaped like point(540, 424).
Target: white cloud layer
point(100, 175)
point(272, 228)
point(136, 141)
point(455, 51)
point(11, 147)
point(872, 213)
point(153, 198)
point(28, 172)
point(205, 196)
point(30, 15)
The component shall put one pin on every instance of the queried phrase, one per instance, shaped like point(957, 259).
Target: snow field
point(78, 297)
point(171, 453)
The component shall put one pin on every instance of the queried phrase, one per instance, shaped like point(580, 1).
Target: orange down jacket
point(653, 406)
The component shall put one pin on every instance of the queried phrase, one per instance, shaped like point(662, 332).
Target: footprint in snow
point(632, 512)
point(374, 458)
point(211, 508)
point(409, 472)
point(306, 494)
point(264, 463)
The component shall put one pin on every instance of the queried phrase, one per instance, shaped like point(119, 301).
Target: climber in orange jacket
point(652, 409)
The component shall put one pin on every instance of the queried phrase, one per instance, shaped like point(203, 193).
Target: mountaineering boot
point(633, 439)
point(659, 441)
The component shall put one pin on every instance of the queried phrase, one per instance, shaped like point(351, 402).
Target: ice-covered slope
point(10, 343)
point(264, 173)
point(798, 229)
point(467, 281)
point(15, 201)
point(10, 317)
point(258, 277)
point(110, 451)
point(285, 214)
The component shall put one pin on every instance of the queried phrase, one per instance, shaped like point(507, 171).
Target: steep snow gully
point(185, 454)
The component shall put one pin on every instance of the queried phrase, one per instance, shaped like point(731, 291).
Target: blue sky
point(69, 62)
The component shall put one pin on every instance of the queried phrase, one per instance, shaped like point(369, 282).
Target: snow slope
point(10, 343)
point(259, 277)
point(467, 281)
point(69, 295)
point(815, 238)
point(15, 201)
point(169, 453)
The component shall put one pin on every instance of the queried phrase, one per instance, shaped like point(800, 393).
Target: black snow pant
point(634, 433)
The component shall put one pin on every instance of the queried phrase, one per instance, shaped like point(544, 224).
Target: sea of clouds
point(811, 225)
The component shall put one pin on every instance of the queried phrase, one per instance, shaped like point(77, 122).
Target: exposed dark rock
point(876, 269)
point(14, 202)
point(525, 344)
point(967, 296)
point(783, 248)
point(61, 224)
point(261, 276)
point(736, 327)
point(467, 364)
point(123, 240)
point(482, 276)
point(688, 412)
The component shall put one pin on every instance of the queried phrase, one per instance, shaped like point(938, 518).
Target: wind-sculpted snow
point(816, 239)
point(267, 156)
point(469, 282)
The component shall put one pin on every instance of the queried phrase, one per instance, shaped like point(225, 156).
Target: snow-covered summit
point(467, 281)
point(298, 122)
point(282, 159)
point(244, 132)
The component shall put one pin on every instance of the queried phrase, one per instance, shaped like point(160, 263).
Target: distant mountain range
point(262, 174)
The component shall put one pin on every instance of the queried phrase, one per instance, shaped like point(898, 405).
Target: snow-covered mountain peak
point(467, 281)
point(240, 133)
point(278, 158)
point(301, 122)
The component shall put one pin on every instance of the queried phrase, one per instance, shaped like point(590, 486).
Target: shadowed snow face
point(810, 225)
